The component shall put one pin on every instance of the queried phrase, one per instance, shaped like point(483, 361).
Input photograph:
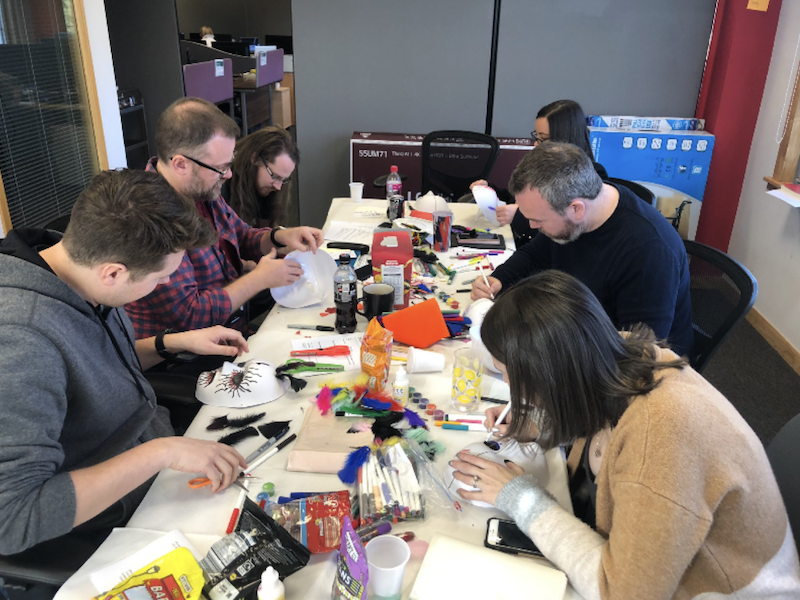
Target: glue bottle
point(400, 387)
point(271, 587)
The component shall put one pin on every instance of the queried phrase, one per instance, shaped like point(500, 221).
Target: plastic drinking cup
point(387, 557)
point(424, 361)
point(356, 191)
point(467, 376)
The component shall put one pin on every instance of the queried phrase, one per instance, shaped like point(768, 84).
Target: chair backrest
point(451, 160)
point(58, 223)
point(637, 188)
point(782, 453)
point(722, 290)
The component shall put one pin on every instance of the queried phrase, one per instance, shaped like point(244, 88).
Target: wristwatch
point(161, 348)
point(272, 239)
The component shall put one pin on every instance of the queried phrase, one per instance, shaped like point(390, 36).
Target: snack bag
point(376, 355)
point(316, 521)
point(176, 575)
point(352, 570)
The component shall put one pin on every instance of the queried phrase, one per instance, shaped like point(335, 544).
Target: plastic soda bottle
point(345, 295)
point(394, 185)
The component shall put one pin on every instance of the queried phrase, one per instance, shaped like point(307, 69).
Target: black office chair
point(451, 160)
point(57, 223)
point(722, 290)
point(637, 188)
point(782, 453)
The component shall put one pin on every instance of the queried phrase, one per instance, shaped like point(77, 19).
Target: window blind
point(47, 152)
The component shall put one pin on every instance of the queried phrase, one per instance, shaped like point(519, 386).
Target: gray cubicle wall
point(421, 65)
point(144, 48)
point(615, 57)
point(381, 65)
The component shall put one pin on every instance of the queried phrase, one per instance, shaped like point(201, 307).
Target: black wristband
point(272, 239)
point(161, 348)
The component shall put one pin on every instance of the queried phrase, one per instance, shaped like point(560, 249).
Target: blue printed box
point(646, 123)
point(677, 160)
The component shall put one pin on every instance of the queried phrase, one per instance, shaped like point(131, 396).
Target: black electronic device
point(483, 241)
point(361, 248)
point(505, 536)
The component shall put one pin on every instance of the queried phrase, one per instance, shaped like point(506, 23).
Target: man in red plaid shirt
point(195, 143)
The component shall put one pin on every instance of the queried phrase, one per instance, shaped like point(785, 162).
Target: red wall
point(730, 98)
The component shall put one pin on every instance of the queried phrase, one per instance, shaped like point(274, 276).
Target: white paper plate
point(315, 285)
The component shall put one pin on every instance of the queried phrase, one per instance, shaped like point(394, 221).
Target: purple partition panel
point(200, 80)
point(272, 71)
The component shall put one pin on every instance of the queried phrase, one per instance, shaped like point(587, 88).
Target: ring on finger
point(475, 481)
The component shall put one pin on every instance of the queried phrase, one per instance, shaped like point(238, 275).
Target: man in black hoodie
point(81, 435)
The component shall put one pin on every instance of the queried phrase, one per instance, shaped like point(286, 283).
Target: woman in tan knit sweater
point(686, 503)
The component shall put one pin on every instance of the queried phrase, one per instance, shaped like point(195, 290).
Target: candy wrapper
point(316, 521)
point(176, 575)
point(352, 570)
point(376, 355)
point(234, 564)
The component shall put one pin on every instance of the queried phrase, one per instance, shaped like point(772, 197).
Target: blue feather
point(375, 404)
point(349, 474)
point(414, 419)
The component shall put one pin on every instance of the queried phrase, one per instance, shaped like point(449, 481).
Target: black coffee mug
point(377, 299)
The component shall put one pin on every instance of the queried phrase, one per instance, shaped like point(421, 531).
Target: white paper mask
point(487, 201)
point(314, 286)
point(430, 202)
point(528, 456)
point(476, 313)
point(240, 385)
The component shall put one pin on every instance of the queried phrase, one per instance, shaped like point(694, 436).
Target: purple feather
point(356, 458)
point(414, 419)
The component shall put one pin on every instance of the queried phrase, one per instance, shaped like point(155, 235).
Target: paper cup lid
point(240, 385)
point(314, 286)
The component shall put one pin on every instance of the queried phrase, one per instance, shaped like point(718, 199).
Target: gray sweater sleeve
point(37, 502)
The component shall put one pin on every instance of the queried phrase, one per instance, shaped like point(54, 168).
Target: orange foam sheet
point(420, 325)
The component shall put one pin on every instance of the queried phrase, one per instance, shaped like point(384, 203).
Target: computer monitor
point(223, 37)
point(195, 37)
point(252, 41)
point(233, 48)
point(281, 41)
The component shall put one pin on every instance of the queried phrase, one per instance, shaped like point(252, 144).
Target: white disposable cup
point(356, 191)
point(424, 361)
point(387, 556)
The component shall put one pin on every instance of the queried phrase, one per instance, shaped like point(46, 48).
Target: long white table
point(171, 504)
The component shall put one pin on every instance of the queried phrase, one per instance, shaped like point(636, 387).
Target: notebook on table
point(497, 576)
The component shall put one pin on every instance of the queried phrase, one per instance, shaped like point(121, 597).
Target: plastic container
point(394, 185)
point(345, 296)
point(400, 387)
point(271, 587)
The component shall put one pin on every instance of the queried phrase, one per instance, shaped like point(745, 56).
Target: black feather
point(383, 427)
point(296, 383)
point(237, 436)
point(218, 423)
point(269, 430)
point(245, 420)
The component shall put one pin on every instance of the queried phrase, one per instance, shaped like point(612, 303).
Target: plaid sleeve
point(249, 237)
point(180, 304)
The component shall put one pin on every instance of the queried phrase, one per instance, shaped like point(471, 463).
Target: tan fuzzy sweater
point(687, 506)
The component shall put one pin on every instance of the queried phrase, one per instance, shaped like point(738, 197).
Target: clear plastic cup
point(387, 557)
point(467, 376)
point(356, 191)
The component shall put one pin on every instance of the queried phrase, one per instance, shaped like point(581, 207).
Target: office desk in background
point(171, 504)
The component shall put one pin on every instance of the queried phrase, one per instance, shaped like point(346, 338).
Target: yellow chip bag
point(174, 576)
point(376, 355)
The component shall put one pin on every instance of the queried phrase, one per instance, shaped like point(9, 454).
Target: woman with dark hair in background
point(559, 121)
point(260, 185)
point(686, 505)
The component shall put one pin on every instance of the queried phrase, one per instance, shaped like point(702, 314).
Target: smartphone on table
point(505, 536)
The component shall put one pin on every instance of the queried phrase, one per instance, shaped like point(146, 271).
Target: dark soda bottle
point(345, 295)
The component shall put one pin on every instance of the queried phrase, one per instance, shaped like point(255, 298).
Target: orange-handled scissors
point(199, 482)
point(329, 351)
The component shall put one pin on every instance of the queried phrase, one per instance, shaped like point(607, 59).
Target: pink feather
point(324, 400)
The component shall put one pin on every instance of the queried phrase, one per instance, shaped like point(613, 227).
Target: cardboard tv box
point(673, 165)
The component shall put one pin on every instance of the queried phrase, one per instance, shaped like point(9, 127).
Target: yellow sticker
point(761, 5)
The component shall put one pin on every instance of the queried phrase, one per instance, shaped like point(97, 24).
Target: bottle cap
point(394, 169)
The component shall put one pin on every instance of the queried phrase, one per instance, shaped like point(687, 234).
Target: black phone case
point(506, 549)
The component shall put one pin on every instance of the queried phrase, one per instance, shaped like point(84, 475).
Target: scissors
point(329, 351)
point(298, 365)
point(199, 482)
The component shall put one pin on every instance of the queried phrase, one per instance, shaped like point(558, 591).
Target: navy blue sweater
point(635, 263)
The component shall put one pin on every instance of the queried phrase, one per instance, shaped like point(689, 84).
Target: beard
point(570, 233)
point(200, 193)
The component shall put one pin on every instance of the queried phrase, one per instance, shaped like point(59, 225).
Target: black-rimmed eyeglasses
point(537, 139)
point(221, 173)
point(276, 178)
